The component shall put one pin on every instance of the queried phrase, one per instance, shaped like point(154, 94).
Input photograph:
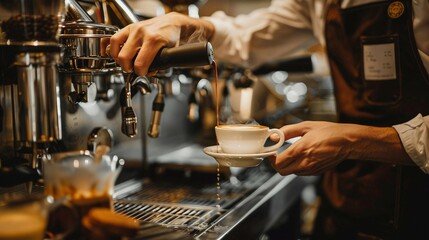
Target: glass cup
point(246, 138)
point(85, 182)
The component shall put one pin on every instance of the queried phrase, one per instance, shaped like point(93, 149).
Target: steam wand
point(157, 109)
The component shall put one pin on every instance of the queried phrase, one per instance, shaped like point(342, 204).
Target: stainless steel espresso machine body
point(31, 111)
point(60, 89)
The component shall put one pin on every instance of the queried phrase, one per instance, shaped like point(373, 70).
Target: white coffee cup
point(246, 138)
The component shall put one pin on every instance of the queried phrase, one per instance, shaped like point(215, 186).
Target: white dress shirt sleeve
point(414, 135)
point(267, 34)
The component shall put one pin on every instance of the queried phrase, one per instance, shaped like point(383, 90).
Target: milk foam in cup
point(246, 138)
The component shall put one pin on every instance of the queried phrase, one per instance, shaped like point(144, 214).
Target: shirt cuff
point(221, 31)
point(414, 136)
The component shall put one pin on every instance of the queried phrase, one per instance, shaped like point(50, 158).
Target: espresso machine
point(60, 91)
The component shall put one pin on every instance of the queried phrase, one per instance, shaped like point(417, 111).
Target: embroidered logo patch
point(395, 9)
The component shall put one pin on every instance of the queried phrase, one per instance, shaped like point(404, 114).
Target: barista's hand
point(324, 145)
point(147, 37)
point(321, 147)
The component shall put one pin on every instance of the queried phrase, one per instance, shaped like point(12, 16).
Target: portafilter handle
point(184, 56)
point(188, 55)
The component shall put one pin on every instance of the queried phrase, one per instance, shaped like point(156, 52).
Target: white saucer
point(236, 160)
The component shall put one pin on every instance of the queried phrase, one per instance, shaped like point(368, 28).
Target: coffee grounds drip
point(31, 27)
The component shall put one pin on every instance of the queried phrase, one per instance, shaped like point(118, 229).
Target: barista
point(372, 187)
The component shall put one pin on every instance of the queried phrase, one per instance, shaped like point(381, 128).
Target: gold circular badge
point(395, 9)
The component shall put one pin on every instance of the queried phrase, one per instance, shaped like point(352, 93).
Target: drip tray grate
point(181, 216)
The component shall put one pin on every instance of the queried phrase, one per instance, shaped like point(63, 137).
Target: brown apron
point(379, 80)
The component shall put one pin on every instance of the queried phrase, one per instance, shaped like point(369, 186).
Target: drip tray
point(181, 216)
point(187, 208)
point(188, 195)
point(152, 231)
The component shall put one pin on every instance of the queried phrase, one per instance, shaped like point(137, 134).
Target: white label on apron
point(379, 61)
